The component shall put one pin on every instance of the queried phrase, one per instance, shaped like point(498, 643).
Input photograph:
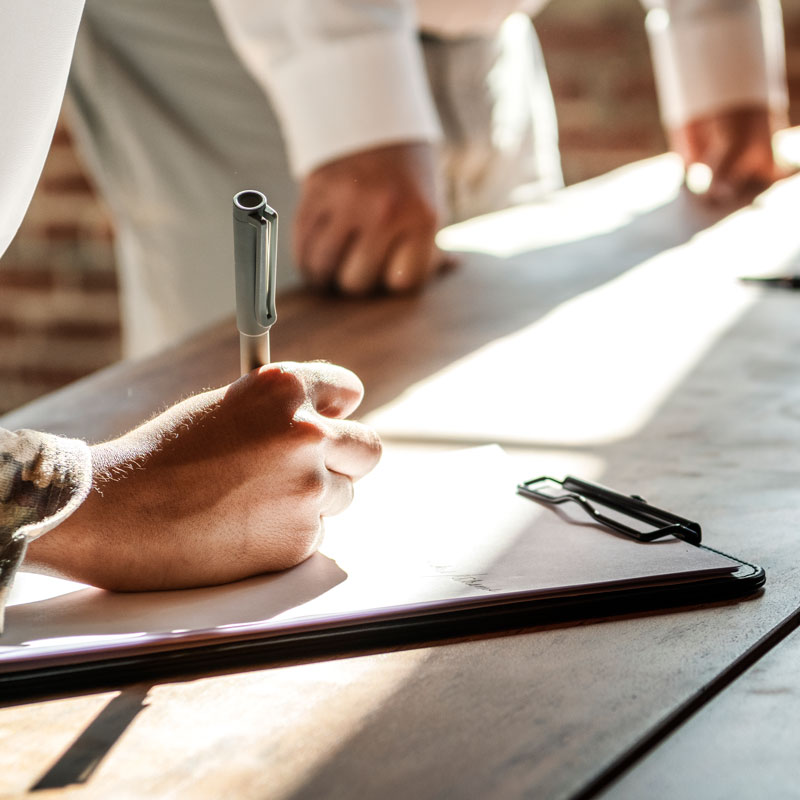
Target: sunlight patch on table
point(597, 367)
point(601, 205)
point(33, 587)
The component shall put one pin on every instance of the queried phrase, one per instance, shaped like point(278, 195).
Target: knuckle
point(428, 217)
point(421, 220)
point(357, 281)
point(283, 383)
point(348, 192)
point(368, 439)
point(308, 431)
point(385, 205)
point(374, 443)
point(312, 487)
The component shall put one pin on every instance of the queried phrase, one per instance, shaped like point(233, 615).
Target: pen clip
point(588, 495)
point(255, 242)
point(267, 265)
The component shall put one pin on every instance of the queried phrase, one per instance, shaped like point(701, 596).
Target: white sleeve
point(36, 44)
point(343, 75)
point(710, 55)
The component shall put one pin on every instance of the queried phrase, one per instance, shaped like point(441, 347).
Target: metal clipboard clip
point(588, 496)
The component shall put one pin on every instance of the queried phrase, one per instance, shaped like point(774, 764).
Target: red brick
point(26, 278)
point(9, 327)
point(70, 183)
point(95, 281)
point(51, 376)
point(60, 231)
point(82, 330)
point(62, 135)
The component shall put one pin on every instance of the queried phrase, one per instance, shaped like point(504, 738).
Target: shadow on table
point(538, 697)
point(80, 760)
point(561, 716)
point(488, 297)
point(90, 614)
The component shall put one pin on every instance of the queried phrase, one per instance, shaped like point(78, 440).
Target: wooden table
point(603, 331)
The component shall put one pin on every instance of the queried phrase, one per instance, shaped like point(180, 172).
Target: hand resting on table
point(368, 221)
point(735, 145)
point(224, 485)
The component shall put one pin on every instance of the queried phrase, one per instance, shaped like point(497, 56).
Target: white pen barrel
point(253, 351)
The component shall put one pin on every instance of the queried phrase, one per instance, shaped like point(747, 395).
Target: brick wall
point(59, 317)
point(58, 295)
point(599, 64)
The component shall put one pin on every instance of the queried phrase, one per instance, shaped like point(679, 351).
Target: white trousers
point(172, 126)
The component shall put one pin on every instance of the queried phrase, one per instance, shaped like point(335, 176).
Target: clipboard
point(440, 548)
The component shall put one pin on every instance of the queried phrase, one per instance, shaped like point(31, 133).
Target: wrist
point(69, 550)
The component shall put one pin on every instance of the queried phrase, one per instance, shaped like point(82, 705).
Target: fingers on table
point(372, 250)
point(412, 264)
point(377, 258)
point(322, 243)
point(361, 270)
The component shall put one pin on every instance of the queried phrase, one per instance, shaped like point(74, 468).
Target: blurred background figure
point(179, 105)
point(720, 71)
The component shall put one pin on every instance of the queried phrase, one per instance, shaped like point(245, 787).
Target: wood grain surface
point(745, 743)
point(542, 713)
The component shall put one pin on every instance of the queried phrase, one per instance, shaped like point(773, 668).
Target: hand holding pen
point(271, 455)
point(255, 247)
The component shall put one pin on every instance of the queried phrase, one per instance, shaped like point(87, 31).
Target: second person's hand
point(735, 145)
point(368, 221)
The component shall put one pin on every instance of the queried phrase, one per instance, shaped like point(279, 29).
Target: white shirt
point(36, 44)
point(347, 75)
point(37, 38)
point(714, 54)
point(307, 52)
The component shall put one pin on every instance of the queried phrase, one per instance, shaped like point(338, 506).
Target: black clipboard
point(450, 603)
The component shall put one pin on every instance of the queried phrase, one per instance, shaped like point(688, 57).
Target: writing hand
point(736, 146)
point(368, 221)
point(227, 484)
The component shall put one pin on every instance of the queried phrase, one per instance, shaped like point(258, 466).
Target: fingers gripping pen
point(255, 248)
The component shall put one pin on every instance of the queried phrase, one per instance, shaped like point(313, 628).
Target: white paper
point(424, 534)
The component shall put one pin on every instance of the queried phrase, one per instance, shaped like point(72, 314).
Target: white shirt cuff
point(710, 62)
point(349, 95)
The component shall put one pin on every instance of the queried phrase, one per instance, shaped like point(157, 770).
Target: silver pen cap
point(255, 247)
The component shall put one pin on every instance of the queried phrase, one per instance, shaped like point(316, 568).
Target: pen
point(778, 281)
point(255, 248)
